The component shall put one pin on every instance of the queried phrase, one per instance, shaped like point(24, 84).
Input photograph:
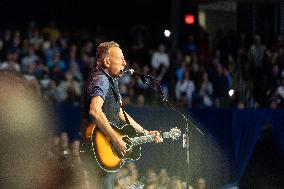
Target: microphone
point(142, 75)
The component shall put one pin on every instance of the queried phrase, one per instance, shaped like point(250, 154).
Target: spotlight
point(167, 33)
point(231, 92)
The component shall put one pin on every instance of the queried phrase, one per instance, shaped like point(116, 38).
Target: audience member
point(201, 183)
point(28, 159)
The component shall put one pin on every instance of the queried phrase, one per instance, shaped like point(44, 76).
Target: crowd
point(57, 62)
point(35, 155)
point(129, 178)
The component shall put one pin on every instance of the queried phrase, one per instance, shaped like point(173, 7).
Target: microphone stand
point(189, 123)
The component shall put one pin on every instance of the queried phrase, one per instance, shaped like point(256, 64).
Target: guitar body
point(103, 150)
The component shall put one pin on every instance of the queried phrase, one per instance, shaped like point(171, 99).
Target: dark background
point(90, 14)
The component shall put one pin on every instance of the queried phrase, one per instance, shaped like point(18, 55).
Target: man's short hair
point(102, 51)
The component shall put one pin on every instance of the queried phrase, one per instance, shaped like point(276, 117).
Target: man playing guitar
point(102, 103)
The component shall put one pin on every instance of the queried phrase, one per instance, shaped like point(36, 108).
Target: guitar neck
point(147, 138)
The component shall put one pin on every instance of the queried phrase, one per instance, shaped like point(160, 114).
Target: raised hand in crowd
point(65, 165)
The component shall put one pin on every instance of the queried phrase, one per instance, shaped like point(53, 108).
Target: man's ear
point(106, 62)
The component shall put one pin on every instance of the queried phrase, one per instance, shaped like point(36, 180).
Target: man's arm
point(102, 122)
point(136, 125)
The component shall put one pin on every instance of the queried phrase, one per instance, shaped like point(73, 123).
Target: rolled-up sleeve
point(98, 87)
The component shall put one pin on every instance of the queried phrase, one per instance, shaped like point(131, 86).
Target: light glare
point(231, 92)
point(167, 33)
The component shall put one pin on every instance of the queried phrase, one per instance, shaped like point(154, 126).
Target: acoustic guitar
point(105, 154)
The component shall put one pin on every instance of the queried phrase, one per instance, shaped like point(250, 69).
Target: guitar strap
point(115, 94)
point(125, 116)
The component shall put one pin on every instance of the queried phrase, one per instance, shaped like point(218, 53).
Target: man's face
point(116, 62)
point(201, 183)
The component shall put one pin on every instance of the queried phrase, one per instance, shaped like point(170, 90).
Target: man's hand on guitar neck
point(158, 137)
point(120, 146)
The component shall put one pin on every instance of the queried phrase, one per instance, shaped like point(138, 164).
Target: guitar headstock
point(175, 133)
